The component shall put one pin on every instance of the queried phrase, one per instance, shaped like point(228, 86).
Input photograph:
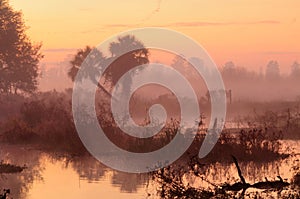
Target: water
point(66, 183)
point(49, 176)
point(55, 176)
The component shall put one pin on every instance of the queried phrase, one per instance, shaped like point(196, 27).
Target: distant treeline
point(267, 85)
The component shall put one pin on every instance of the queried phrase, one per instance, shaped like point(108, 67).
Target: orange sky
point(250, 33)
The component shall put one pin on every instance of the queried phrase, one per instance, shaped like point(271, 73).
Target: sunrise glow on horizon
point(249, 33)
point(153, 99)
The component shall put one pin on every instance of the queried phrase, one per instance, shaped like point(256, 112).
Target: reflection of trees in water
point(86, 167)
point(129, 182)
point(92, 170)
point(194, 178)
point(261, 179)
point(252, 171)
point(89, 169)
point(211, 181)
point(20, 183)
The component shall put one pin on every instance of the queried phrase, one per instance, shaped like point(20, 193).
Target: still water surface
point(53, 176)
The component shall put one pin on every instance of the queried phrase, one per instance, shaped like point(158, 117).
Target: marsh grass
point(45, 121)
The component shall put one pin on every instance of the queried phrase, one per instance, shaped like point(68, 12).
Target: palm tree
point(95, 61)
point(125, 61)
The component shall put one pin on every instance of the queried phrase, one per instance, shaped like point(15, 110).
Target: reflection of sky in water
point(48, 177)
point(66, 183)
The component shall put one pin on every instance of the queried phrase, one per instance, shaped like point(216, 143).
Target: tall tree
point(272, 70)
point(229, 70)
point(295, 70)
point(19, 57)
point(121, 65)
point(127, 60)
point(95, 63)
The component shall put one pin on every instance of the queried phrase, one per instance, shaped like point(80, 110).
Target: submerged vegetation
point(174, 182)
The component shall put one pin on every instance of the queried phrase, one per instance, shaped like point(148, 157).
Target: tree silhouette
point(295, 70)
point(272, 70)
point(93, 64)
point(19, 58)
point(125, 61)
point(95, 61)
point(229, 70)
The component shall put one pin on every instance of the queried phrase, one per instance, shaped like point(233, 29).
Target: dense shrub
point(45, 119)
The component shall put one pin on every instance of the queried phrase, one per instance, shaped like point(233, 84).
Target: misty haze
point(48, 47)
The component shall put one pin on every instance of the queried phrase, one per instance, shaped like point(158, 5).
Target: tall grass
point(46, 119)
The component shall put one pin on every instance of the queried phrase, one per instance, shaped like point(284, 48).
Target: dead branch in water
point(239, 170)
point(243, 185)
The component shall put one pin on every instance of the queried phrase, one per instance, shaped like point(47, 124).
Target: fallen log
point(235, 187)
point(243, 185)
point(276, 184)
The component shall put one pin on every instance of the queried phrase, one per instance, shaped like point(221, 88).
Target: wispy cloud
point(93, 31)
point(198, 24)
point(59, 50)
point(280, 52)
point(205, 23)
point(119, 25)
point(156, 10)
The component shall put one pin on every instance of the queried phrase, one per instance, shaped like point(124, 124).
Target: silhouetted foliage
point(176, 181)
point(19, 58)
point(116, 69)
point(261, 86)
point(96, 58)
point(272, 70)
point(45, 119)
point(295, 70)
